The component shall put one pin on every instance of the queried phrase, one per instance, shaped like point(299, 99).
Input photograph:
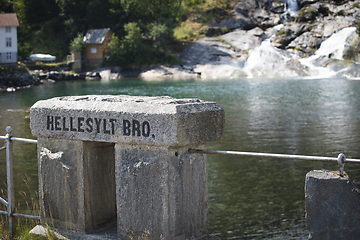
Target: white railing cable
point(3, 201)
point(340, 159)
point(26, 216)
point(23, 140)
point(271, 155)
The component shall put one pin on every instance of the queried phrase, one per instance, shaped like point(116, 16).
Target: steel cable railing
point(10, 203)
point(341, 160)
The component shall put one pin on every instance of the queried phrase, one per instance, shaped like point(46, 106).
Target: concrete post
point(76, 59)
point(106, 157)
point(332, 206)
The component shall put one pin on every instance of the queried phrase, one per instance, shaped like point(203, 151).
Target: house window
point(7, 29)
point(8, 55)
point(8, 42)
point(93, 50)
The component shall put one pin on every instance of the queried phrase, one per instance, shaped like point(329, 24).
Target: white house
point(8, 37)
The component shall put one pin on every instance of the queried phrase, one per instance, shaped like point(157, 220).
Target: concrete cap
point(128, 119)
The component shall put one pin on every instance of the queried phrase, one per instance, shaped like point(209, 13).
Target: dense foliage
point(142, 28)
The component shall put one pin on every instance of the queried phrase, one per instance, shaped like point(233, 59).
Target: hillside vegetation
point(145, 32)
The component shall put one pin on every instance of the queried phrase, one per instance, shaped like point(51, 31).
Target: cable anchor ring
point(341, 161)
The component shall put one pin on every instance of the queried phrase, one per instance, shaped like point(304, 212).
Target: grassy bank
point(22, 225)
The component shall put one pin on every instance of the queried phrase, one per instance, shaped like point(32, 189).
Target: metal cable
point(272, 155)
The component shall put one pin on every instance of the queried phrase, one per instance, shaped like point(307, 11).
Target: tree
point(98, 14)
point(77, 44)
point(150, 10)
point(160, 35)
point(74, 14)
point(128, 50)
point(139, 48)
point(6, 6)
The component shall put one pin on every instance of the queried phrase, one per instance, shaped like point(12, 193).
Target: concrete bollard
point(125, 158)
point(332, 206)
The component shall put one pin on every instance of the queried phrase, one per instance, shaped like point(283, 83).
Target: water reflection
point(249, 198)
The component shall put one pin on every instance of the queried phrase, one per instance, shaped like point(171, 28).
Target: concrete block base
point(125, 158)
point(161, 192)
point(332, 206)
point(76, 184)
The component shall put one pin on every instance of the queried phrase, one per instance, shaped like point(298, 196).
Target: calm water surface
point(249, 198)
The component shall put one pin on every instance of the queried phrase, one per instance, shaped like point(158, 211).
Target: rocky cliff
point(290, 38)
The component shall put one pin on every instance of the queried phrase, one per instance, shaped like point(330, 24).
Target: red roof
point(8, 20)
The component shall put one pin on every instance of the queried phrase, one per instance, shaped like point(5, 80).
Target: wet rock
point(206, 50)
point(237, 23)
point(305, 45)
point(352, 48)
point(93, 76)
point(219, 71)
point(287, 34)
point(162, 72)
point(243, 40)
point(265, 19)
point(265, 61)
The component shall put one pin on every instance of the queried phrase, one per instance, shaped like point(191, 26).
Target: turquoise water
point(249, 198)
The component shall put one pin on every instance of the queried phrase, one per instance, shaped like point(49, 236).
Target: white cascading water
point(291, 5)
point(333, 47)
point(266, 59)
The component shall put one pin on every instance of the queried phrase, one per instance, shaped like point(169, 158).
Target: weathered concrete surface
point(126, 158)
point(161, 192)
point(127, 119)
point(332, 206)
point(76, 183)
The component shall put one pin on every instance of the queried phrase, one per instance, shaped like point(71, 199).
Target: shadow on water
point(249, 198)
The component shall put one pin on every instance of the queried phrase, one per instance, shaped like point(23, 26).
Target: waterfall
point(333, 47)
point(268, 61)
point(291, 5)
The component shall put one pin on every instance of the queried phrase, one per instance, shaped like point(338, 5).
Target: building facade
point(97, 45)
point(8, 38)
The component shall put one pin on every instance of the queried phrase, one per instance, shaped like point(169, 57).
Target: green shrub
point(224, 30)
point(77, 43)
